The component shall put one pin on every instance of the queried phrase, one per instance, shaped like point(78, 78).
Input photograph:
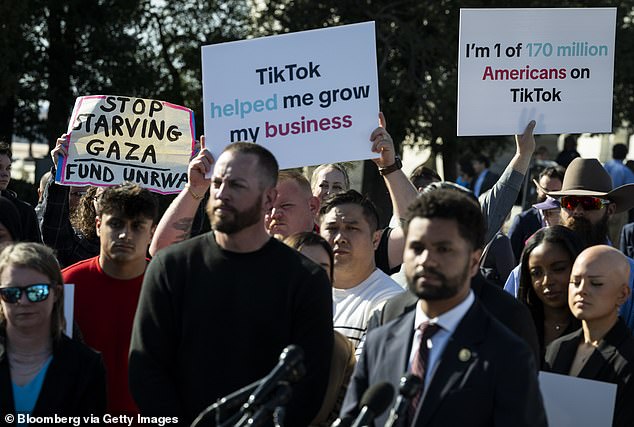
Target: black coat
point(523, 226)
point(28, 218)
point(74, 385)
point(611, 362)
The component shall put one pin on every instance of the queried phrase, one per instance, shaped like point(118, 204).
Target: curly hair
point(83, 218)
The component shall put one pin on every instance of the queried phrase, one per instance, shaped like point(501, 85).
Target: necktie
point(419, 364)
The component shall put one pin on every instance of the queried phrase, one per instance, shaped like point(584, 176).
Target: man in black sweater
point(217, 310)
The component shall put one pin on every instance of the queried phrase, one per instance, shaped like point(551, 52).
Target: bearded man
point(464, 357)
point(588, 200)
point(217, 310)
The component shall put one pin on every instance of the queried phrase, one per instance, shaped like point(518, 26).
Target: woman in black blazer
point(603, 349)
point(42, 372)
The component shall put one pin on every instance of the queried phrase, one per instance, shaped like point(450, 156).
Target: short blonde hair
point(40, 258)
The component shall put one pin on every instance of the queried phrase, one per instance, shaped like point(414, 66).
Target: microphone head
point(292, 354)
point(410, 384)
point(378, 397)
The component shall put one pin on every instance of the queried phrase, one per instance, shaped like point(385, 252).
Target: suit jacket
point(508, 310)
point(497, 260)
point(487, 183)
point(626, 242)
point(523, 226)
point(494, 384)
point(612, 362)
point(74, 385)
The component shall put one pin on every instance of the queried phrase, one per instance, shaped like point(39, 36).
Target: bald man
point(603, 349)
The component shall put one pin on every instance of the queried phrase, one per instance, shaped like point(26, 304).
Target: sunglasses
point(34, 293)
point(588, 203)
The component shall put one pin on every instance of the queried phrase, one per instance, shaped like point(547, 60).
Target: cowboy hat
point(586, 177)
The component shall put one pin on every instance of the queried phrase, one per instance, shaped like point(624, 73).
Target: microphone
point(290, 367)
point(374, 401)
point(409, 386)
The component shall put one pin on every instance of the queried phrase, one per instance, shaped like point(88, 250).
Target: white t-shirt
point(353, 307)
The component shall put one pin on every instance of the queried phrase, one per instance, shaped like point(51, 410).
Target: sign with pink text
point(554, 66)
point(113, 139)
point(309, 97)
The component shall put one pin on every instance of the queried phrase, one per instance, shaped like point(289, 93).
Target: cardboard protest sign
point(555, 66)
point(577, 402)
point(113, 139)
point(309, 97)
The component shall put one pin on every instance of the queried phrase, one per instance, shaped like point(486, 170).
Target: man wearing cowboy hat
point(587, 202)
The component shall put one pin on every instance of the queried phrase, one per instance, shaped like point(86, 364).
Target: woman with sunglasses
point(42, 371)
point(545, 267)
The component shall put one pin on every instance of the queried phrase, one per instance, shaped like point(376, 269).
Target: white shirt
point(353, 307)
point(448, 323)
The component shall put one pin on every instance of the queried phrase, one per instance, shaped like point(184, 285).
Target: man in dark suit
point(475, 371)
point(485, 179)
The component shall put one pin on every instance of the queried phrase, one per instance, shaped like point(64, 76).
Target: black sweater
point(211, 321)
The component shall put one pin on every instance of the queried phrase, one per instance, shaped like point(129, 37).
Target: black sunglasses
point(35, 293)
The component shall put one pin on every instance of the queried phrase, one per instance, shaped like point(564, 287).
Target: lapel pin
point(464, 355)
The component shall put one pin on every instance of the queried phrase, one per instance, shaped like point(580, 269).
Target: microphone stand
point(274, 406)
point(226, 403)
point(279, 415)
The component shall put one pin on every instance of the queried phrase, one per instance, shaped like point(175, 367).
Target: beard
point(238, 220)
point(591, 234)
point(447, 289)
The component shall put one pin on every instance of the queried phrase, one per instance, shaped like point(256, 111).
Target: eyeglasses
point(588, 203)
point(35, 293)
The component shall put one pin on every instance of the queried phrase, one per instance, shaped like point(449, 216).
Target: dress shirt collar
point(449, 320)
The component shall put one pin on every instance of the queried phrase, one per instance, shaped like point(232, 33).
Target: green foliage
point(55, 51)
point(417, 51)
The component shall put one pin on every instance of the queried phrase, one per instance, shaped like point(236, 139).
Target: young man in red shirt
point(107, 287)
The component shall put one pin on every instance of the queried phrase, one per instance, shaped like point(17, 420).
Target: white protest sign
point(309, 97)
point(69, 307)
point(576, 402)
point(113, 139)
point(555, 66)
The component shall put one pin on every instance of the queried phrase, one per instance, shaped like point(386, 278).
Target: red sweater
point(104, 311)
